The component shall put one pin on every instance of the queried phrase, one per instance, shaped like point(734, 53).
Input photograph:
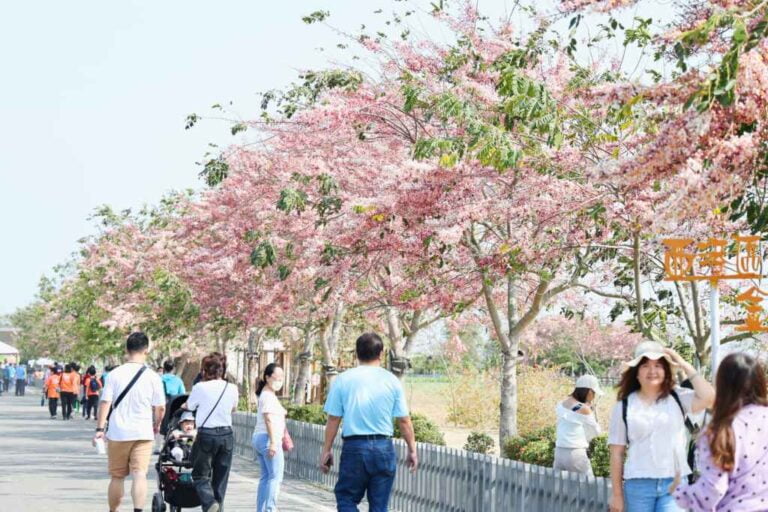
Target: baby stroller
point(174, 476)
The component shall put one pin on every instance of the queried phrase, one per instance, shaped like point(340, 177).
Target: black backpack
point(693, 430)
point(94, 384)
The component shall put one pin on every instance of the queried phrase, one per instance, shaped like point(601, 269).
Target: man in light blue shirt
point(21, 379)
point(9, 376)
point(367, 398)
point(173, 384)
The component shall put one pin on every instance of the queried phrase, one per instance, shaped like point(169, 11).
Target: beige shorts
point(125, 457)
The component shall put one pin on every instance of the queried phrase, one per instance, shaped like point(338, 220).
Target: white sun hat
point(649, 350)
point(187, 416)
point(589, 382)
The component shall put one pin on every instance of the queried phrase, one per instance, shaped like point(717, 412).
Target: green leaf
point(315, 17)
point(739, 32)
point(214, 171)
point(292, 200)
point(239, 127)
point(263, 255)
point(191, 121)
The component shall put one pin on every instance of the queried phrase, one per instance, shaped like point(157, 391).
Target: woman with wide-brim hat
point(648, 426)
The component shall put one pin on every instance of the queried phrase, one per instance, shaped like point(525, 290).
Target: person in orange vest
point(70, 385)
point(52, 390)
point(92, 388)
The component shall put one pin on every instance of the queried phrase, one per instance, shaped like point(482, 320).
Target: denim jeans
point(366, 467)
point(271, 473)
point(211, 462)
point(649, 495)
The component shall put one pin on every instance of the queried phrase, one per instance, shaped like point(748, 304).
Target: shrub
point(310, 413)
point(540, 452)
point(426, 430)
point(479, 442)
point(539, 448)
point(600, 456)
point(242, 404)
point(536, 447)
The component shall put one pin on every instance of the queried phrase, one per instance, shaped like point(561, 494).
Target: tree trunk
point(330, 343)
point(508, 413)
point(397, 342)
point(251, 353)
point(401, 339)
point(305, 368)
point(638, 291)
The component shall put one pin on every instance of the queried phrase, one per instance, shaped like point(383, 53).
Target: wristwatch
point(99, 430)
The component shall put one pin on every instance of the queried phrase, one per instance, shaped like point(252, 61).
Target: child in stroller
point(174, 465)
point(180, 440)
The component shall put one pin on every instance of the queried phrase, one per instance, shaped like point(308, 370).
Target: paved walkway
point(51, 465)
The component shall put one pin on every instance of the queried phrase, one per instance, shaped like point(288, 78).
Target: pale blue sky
point(93, 97)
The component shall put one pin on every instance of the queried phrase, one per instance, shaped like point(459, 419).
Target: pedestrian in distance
point(93, 387)
point(214, 401)
point(733, 449)
point(53, 391)
point(21, 379)
point(576, 427)
point(648, 435)
point(134, 395)
point(77, 393)
point(69, 385)
point(268, 437)
point(366, 398)
point(172, 383)
point(9, 375)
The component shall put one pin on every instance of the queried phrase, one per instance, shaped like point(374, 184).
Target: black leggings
point(92, 405)
point(67, 399)
point(53, 404)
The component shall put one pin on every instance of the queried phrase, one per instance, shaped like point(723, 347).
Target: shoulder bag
point(122, 395)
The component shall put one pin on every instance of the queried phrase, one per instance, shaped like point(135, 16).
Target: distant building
point(8, 337)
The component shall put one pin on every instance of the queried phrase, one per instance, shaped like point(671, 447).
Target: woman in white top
point(214, 400)
point(268, 438)
point(648, 425)
point(576, 427)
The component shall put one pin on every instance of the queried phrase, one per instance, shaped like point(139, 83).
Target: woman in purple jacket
point(733, 451)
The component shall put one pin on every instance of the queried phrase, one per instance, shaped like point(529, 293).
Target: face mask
point(277, 385)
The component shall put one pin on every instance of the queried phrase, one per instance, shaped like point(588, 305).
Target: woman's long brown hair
point(629, 382)
point(740, 382)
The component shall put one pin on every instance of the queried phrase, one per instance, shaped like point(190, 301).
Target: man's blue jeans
point(271, 473)
point(366, 467)
point(649, 495)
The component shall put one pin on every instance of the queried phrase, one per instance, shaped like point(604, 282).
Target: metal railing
point(448, 480)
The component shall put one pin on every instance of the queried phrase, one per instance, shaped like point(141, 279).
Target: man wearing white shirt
point(139, 399)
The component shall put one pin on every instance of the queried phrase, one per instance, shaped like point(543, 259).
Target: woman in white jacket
point(576, 427)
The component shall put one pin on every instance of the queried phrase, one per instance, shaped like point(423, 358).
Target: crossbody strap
point(215, 405)
point(688, 423)
point(624, 405)
point(125, 391)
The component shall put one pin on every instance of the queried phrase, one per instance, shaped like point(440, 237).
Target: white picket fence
point(448, 480)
